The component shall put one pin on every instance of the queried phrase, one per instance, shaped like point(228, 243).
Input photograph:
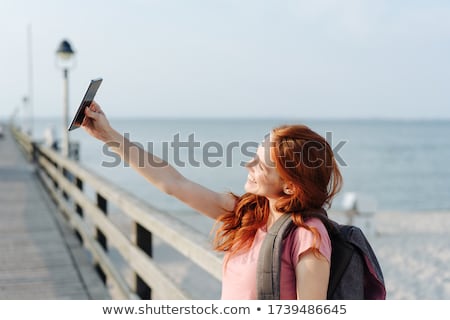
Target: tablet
point(86, 102)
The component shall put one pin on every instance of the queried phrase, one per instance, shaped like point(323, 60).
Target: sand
point(414, 252)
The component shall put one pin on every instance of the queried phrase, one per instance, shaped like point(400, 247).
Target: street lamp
point(64, 55)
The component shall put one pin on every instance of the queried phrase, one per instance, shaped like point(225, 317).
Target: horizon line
point(248, 117)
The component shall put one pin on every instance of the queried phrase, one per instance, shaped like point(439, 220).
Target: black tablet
point(86, 102)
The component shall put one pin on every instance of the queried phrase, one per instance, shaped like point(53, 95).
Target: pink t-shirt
point(239, 274)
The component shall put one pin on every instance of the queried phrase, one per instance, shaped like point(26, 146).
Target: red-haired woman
point(293, 172)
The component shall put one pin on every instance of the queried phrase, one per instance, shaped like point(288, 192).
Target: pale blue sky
point(277, 58)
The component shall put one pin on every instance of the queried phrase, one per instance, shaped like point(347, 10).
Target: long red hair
point(301, 157)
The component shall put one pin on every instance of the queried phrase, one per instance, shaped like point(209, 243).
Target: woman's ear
point(288, 188)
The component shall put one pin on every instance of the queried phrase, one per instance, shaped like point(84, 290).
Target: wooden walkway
point(40, 257)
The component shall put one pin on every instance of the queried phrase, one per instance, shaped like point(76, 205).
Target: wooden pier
point(40, 258)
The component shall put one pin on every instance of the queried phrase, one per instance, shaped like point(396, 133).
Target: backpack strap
point(269, 259)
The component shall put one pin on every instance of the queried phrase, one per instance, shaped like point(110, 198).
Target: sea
point(391, 165)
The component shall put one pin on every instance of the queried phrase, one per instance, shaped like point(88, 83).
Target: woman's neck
point(273, 214)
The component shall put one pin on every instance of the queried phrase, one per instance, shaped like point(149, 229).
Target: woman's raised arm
point(162, 175)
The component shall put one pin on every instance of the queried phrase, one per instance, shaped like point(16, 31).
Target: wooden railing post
point(55, 164)
point(143, 240)
point(102, 204)
point(34, 152)
point(78, 208)
point(66, 174)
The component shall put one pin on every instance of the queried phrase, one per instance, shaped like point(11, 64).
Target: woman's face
point(263, 178)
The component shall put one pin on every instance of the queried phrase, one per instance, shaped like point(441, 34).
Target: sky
point(230, 58)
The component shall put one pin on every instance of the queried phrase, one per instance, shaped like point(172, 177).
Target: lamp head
point(65, 51)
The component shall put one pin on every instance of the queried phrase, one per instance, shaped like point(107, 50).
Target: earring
point(287, 191)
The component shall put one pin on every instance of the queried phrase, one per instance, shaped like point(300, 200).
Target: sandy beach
point(414, 252)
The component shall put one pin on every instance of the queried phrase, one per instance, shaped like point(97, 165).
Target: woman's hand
point(96, 124)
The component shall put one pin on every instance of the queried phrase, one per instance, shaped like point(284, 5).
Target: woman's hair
point(301, 157)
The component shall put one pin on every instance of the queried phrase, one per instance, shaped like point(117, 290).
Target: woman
point(293, 172)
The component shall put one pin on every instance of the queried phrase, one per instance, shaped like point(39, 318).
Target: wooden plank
point(34, 236)
point(42, 290)
point(57, 274)
point(30, 264)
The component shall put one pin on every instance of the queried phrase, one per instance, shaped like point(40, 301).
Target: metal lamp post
point(65, 54)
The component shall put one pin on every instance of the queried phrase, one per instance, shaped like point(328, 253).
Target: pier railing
point(66, 181)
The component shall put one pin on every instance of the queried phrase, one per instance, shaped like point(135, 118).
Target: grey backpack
point(355, 273)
